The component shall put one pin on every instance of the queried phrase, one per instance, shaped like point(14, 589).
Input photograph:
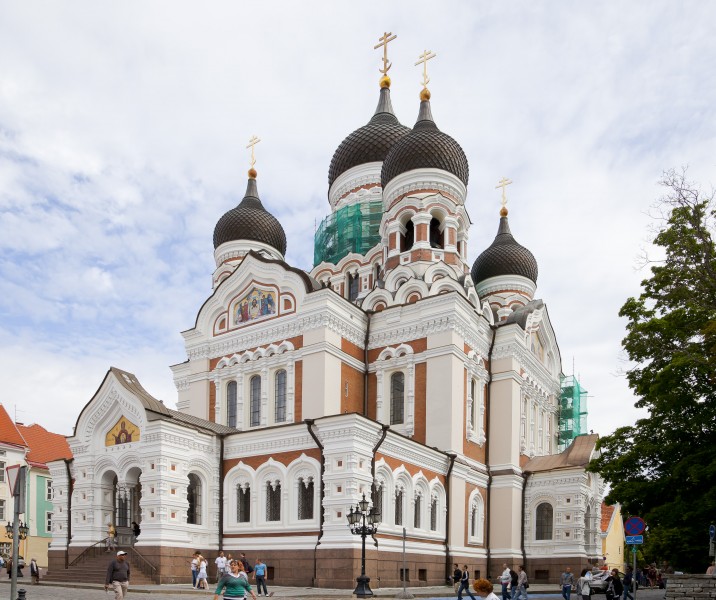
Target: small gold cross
point(424, 58)
point(252, 142)
point(384, 40)
point(504, 182)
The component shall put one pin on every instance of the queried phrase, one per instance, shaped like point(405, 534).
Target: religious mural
point(256, 304)
point(123, 432)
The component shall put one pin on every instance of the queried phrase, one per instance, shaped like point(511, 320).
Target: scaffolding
point(354, 228)
point(572, 411)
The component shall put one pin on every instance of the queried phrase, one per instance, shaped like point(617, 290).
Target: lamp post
point(16, 531)
point(363, 522)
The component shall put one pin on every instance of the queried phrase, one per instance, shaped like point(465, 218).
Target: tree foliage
point(664, 467)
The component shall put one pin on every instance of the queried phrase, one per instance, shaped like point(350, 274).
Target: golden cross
point(504, 182)
point(424, 58)
point(387, 37)
point(252, 142)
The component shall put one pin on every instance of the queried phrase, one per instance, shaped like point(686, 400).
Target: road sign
point(12, 476)
point(712, 532)
point(633, 550)
point(634, 539)
point(634, 526)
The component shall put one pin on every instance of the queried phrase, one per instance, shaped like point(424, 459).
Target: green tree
point(664, 467)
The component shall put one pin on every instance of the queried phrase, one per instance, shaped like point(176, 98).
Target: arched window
point(305, 498)
point(399, 507)
point(587, 528)
point(376, 497)
point(255, 384)
point(543, 525)
point(418, 509)
point(353, 287)
point(243, 503)
point(231, 404)
point(473, 409)
point(193, 496)
point(409, 237)
point(434, 514)
point(397, 398)
point(473, 520)
point(280, 403)
point(273, 501)
point(436, 236)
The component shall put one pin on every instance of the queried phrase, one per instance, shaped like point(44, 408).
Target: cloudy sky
point(123, 129)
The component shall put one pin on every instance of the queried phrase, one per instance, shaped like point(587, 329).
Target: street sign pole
point(633, 573)
point(18, 495)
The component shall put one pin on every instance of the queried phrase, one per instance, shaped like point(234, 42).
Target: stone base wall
point(691, 587)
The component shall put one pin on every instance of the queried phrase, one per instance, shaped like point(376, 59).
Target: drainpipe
point(70, 489)
point(221, 490)
point(309, 423)
point(372, 470)
point(488, 397)
point(365, 360)
point(451, 458)
point(525, 477)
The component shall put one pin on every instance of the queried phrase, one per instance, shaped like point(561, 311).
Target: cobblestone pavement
point(177, 592)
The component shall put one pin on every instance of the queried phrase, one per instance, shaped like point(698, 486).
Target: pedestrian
point(464, 584)
point(118, 576)
point(201, 582)
point(522, 583)
point(234, 584)
point(628, 583)
point(505, 579)
point(136, 530)
point(456, 576)
point(247, 567)
point(567, 582)
point(584, 588)
point(260, 574)
point(513, 583)
point(194, 568)
point(8, 566)
point(220, 566)
point(615, 589)
point(111, 542)
point(484, 589)
point(34, 571)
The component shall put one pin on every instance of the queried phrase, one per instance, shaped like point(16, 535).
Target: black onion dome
point(425, 147)
point(250, 221)
point(370, 143)
point(504, 257)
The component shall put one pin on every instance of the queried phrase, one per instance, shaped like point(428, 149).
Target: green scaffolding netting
point(572, 411)
point(352, 228)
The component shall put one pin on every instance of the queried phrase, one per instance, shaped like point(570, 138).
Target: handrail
point(98, 548)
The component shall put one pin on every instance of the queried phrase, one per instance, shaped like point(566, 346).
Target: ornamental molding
point(179, 441)
point(398, 448)
point(355, 178)
point(417, 180)
point(501, 283)
point(534, 371)
point(257, 447)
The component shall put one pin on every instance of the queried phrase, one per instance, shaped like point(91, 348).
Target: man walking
point(118, 576)
point(505, 579)
point(220, 566)
point(464, 584)
point(456, 577)
point(567, 583)
point(260, 574)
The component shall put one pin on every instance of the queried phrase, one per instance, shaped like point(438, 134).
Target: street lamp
point(22, 529)
point(363, 522)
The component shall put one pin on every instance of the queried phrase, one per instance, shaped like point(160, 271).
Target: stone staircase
point(92, 568)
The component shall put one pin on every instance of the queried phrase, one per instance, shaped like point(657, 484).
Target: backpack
point(513, 575)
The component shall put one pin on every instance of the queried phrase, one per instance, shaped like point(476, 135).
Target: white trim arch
point(437, 492)
point(477, 373)
point(421, 488)
point(400, 358)
point(476, 515)
point(303, 467)
point(240, 475)
point(410, 287)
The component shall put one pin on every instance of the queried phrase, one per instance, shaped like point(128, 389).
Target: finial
point(383, 41)
point(424, 58)
point(252, 142)
point(504, 182)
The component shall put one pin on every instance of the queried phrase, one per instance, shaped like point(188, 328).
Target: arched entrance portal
point(121, 503)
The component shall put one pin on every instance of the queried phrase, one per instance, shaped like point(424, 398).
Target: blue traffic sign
point(634, 539)
point(634, 526)
point(712, 532)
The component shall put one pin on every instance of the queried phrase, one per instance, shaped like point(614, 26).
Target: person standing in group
point(615, 589)
point(584, 588)
point(136, 530)
point(522, 583)
point(194, 569)
point(567, 582)
point(513, 583)
point(118, 573)
point(505, 579)
point(220, 566)
point(201, 582)
point(247, 567)
point(628, 583)
point(234, 584)
point(464, 584)
point(484, 589)
point(260, 574)
point(456, 577)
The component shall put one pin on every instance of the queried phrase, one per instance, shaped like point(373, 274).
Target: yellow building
point(612, 532)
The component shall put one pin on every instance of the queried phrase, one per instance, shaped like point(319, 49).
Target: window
point(255, 384)
point(543, 529)
point(305, 498)
point(48, 522)
point(2, 471)
point(353, 286)
point(231, 404)
point(473, 412)
point(397, 396)
point(243, 504)
point(436, 237)
point(409, 236)
point(48, 490)
point(473, 521)
point(376, 497)
point(434, 514)
point(273, 501)
point(2, 510)
point(418, 509)
point(193, 496)
point(399, 507)
point(280, 386)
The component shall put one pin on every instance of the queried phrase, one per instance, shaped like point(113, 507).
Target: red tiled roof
point(9, 434)
point(45, 446)
point(607, 512)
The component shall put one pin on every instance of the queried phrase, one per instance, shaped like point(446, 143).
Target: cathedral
point(394, 370)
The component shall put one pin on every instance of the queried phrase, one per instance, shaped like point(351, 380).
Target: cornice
point(417, 180)
point(355, 177)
